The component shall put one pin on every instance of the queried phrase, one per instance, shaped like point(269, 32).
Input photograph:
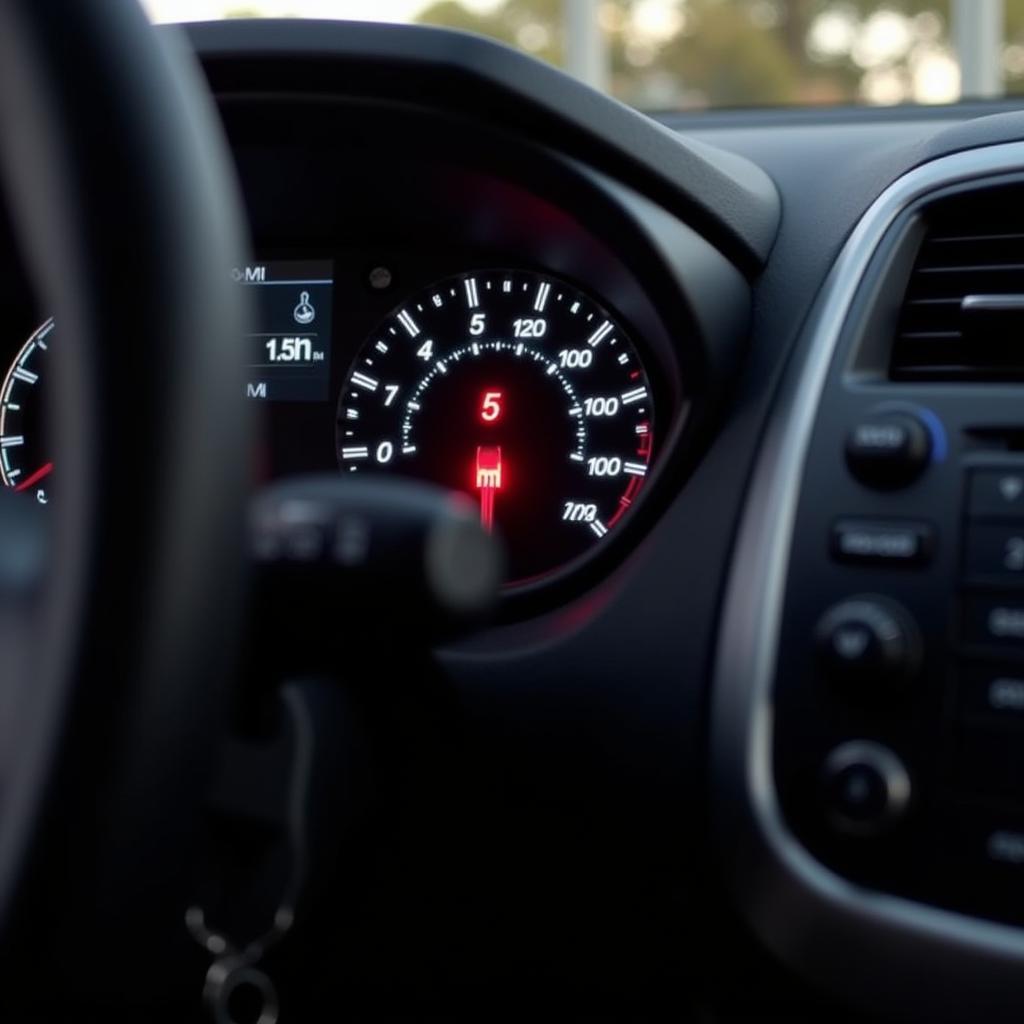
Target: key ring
point(236, 991)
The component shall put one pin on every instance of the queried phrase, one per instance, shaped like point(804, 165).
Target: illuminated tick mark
point(408, 323)
point(362, 381)
point(25, 375)
point(14, 441)
point(599, 528)
point(634, 468)
point(472, 299)
point(355, 453)
point(600, 334)
point(381, 347)
point(542, 297)
point(636, 395)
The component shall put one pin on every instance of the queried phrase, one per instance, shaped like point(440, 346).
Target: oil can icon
point(304, 312)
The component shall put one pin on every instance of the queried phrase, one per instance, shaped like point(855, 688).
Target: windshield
point(701, 54)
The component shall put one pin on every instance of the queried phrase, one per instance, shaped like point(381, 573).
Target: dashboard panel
point(570, 766)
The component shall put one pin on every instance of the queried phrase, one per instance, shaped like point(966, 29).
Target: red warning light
point(488, 482)
point(491, 406)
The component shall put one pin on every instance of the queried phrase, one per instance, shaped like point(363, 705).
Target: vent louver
point(963, 313)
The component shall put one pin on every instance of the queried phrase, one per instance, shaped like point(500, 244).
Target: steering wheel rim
point(126, 212)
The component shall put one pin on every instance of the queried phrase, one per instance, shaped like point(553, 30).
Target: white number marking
point(525, 328)
point(577, 512)
point(604, 465)
point(601, 406)
point(575, 358)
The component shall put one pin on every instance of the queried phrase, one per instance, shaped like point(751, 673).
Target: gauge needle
point(39, 474)
point(488, 481)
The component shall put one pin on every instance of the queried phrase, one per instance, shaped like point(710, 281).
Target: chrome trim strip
point(875, 948)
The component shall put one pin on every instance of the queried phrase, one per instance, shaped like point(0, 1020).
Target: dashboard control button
point(997, 494)
point(995, 553)
point(995, 621)
point(993, 692)
point(888, 450)
point(867, 638)
point(867, 542)
point(866, 788)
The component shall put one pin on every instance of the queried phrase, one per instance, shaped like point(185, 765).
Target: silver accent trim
point(877, 949)
point(992, 303)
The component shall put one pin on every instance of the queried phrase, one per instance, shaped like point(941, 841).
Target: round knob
point(866, 789)
point(868, 638)
point(888, 450)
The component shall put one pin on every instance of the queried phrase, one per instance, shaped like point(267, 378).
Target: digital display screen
point(289, 356)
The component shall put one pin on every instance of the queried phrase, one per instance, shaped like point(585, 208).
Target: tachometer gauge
point(517, 388)
point(24, 462)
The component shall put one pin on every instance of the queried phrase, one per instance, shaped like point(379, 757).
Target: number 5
point(491, 409)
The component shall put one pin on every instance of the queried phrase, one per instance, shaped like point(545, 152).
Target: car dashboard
point(743, 402)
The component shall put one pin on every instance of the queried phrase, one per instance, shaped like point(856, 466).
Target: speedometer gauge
point(514, 387)
point(24, 463)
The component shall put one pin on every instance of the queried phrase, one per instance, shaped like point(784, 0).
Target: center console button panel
point(899, 691)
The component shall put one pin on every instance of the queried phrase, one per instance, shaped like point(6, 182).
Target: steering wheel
point(118, 645)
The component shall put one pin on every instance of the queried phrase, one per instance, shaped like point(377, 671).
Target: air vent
point(963, 314)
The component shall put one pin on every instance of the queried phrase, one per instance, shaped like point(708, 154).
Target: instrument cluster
point(522, 341)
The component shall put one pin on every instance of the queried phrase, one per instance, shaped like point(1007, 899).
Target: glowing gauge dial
point(518, 389)
point(24, 463)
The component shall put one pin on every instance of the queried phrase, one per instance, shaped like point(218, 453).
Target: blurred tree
point(670, 53)
point(1013, 62)
point(531, 25)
